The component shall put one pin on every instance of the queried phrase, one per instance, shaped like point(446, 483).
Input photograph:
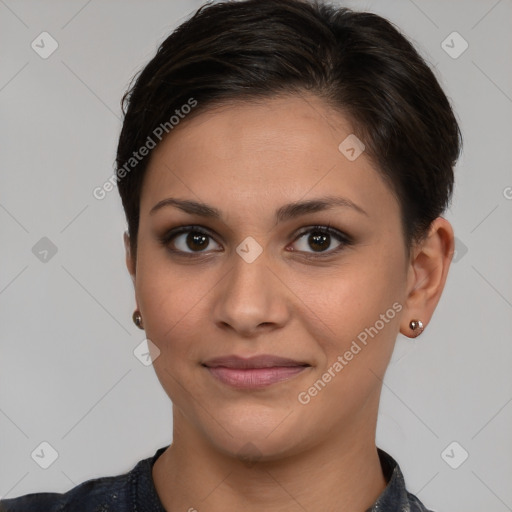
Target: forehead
point(278, 125)
point(262, 154)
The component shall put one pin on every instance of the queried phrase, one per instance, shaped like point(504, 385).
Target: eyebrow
point(284, 213)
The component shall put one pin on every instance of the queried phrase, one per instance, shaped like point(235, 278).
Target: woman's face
point(260, 279)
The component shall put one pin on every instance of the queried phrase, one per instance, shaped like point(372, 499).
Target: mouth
point(254, 372)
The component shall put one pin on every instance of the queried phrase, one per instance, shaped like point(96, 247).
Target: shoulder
point(103, 494)
point(120, 493)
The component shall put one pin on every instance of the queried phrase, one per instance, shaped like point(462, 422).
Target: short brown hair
point(358, 62)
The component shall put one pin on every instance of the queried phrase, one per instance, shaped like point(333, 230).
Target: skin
point(262, 449)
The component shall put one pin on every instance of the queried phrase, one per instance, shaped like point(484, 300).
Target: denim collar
point(394, 497)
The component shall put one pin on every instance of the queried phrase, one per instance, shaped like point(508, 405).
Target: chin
point(251, 451)
point(255, 440)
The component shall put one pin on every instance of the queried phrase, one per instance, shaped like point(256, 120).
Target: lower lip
point(251, 378)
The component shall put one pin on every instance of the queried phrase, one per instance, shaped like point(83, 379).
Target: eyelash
point(341, 237)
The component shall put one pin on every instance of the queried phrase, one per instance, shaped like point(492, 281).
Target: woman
point(283, 167)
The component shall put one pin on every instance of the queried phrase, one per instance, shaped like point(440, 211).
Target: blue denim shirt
point(134, 491)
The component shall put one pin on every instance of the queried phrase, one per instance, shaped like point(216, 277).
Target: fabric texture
point(135, 491)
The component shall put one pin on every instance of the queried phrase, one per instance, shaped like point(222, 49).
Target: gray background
point(68, 375)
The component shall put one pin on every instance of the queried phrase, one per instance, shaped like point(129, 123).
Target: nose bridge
point(249, 281)
point(249, 295)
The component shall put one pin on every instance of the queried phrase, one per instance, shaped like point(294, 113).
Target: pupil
point(320, 240)
point(198, 239)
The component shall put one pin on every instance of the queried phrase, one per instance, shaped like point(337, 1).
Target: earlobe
point(428, 270)
point(129, 259)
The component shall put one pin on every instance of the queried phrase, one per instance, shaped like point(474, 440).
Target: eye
point(320, 238)
point(187, 240)
point(190, 241)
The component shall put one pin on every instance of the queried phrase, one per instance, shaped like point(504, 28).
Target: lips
point(262, 361)
point(254, 372)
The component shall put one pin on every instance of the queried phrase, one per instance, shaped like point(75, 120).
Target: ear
point(130, 261)
point(428, 269)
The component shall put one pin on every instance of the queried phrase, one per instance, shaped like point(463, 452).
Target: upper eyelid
point(178, 230)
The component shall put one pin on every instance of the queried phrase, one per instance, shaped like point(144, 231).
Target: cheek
point(162, 295)
point(173, 314)
point(173, 300)
point(358, 315)
point(354, 314)
point(354, 296)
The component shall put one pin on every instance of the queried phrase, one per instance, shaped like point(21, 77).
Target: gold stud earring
point(137, 319)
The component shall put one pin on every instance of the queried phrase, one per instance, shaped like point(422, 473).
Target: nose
point(251, 298)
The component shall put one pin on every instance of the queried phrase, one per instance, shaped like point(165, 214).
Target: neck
point(343, 475)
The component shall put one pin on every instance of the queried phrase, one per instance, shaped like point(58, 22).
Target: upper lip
point(261, 361)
